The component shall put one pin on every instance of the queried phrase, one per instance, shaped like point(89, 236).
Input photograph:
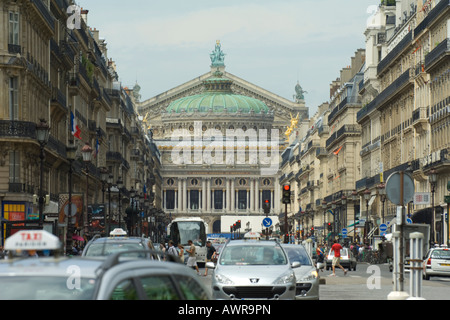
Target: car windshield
point(343, 252)
point(441, 254)
point(252, 255)
point(109, 248)
point(298, 254)
point(46, 288)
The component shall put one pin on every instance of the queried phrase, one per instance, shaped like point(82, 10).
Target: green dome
point(218, 97)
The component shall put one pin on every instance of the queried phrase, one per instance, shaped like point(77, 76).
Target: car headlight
point(286, 278)
point(222, 279)
point(312, 276)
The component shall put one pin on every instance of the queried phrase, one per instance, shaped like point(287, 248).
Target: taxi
point(437, 263)
point(82, 278)
point(117, 241)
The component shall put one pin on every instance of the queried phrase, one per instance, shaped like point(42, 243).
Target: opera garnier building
point(220, 139)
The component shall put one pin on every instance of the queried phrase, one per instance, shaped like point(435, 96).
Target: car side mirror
point(295, 264)
point(210, 265)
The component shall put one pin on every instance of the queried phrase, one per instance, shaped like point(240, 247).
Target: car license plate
point(445, 264)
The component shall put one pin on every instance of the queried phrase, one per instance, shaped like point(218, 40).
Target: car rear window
point(109, 248)
point(46, 288)
point(253, 255)
point(343, 253)
point(441, 254)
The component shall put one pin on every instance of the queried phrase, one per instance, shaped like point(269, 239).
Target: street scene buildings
point(75, 142)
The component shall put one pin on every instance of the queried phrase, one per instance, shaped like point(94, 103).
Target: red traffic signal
point(286, 194)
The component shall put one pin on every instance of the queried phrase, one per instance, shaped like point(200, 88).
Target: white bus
point(181, 230)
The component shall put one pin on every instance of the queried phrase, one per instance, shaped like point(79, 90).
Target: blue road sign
point(383, 227)
point(344, 231)
point(267, 222)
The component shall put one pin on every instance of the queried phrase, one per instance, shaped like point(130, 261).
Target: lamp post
point(140, 213)
point(110, 182)
point(324, 207)
point(333, 208)
point(382, 192)
point(86, 151)
point(131, 218)
point(355, 198)
point(433, 180)
point(42, 135)
point(119, 183)
point(104, 176)
point(71, 151)
point(366, 225)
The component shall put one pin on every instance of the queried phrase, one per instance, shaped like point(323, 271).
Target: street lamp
point(382, 192)
point(119, 183)
point(42, 135)
point(366, 225)
point(344, 213)
point(110, 182)
point(104, 177)
point(131, 217)
point(71, 152)
point(355, 198)
point(433, 180)
point(324, 207)
point(86, 151)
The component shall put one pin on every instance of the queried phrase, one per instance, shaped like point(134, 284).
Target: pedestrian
point(336, 247)
point(162, 247)
point(192, 260)
point(172, 250)
point(181, 252)
point(210, 254)
point(320, 258)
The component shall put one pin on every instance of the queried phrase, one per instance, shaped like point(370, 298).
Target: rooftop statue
point(300, 93)
point(217, 56)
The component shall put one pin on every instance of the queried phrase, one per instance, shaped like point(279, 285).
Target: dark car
point(106, 246)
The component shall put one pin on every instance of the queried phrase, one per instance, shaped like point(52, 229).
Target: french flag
point(74, 126)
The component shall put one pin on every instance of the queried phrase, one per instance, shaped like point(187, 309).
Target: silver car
point(83, 278)
point(307, 287)
point(253, 269)
point(437, 263)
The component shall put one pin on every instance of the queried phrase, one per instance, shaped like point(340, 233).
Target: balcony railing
point(437, 53)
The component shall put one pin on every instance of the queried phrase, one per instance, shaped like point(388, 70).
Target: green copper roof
point(218, 97)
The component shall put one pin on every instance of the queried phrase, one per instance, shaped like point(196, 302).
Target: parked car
point(253, 269)
point(307, 279)
point(348, 260)
point(436, 263)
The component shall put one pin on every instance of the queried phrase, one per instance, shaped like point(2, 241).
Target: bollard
point(397, 293)
point(416, 245)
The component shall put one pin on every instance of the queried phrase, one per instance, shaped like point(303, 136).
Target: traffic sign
point(383, 227)
point(267, 222)
point(393, 188)
point(344, 231)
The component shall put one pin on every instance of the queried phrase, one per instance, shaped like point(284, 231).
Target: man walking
point(210, 254)
point(336, 247)
point(192, 260)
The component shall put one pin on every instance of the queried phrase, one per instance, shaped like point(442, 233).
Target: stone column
point(204, 194)
point(233, 197)
point(257, 201)
point(208, 195)
point(185, 207)
point(252, 194)
point(228, 191)
point(180, 196)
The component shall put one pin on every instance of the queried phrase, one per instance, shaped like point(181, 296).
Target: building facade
point(64, 77)
point(220, 139)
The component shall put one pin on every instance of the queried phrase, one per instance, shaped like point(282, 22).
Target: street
point(368, 282)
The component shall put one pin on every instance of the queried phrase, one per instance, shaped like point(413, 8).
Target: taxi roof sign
point(118, 232)
point(32, 240)
point(252, 235)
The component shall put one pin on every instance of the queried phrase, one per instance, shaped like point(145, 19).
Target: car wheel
point(426, 277)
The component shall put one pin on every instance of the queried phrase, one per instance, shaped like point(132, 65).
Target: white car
point(437, 263)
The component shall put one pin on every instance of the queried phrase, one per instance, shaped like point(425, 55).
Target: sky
point(271, 43)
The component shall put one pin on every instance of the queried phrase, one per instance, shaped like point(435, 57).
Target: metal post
point(397, 293)
point(416, 248)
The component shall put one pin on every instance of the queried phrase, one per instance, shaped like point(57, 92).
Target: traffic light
point(266, 206)
point(330, 226)
point(287, 194)
point(312, 230)
point(238, 224)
